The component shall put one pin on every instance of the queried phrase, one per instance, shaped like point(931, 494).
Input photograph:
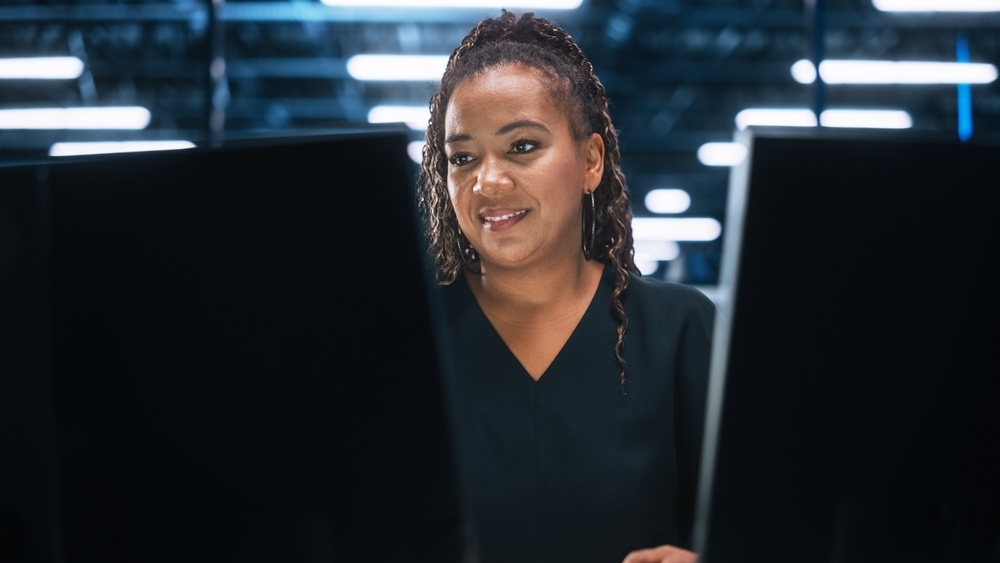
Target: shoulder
point(645, 293)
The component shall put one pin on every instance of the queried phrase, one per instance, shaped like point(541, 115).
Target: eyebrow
point(524, 123)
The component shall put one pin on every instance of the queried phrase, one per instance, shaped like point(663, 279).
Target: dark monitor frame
point(855, 385)
point(225, 353)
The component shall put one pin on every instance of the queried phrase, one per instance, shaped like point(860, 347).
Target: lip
point(498, 219)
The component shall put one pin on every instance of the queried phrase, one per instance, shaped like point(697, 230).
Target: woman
point(580, 384)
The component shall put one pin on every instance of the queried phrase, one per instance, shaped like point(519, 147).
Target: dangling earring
point(469, 255)
point(589, 226)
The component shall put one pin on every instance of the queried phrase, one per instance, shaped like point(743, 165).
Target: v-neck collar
point(473, 321)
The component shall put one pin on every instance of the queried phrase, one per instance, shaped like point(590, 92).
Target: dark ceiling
point(676, 71)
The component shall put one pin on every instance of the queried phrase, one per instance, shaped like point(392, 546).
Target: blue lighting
point(964, 91)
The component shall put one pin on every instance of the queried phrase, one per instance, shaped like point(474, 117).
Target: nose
point(493, 178)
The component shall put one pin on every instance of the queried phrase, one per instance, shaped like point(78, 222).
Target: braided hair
point(542, 45)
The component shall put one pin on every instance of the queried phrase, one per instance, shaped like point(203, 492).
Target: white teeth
point(503, 217)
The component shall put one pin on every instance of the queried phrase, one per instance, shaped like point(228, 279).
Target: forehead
point(505, 92)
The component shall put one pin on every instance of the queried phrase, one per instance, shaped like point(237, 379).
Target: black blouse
point(572, 467)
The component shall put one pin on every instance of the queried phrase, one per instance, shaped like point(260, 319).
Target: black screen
point(235, 358)
point(855, 411)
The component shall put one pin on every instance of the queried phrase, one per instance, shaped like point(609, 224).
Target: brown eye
point(459, 159)
point(523, 146)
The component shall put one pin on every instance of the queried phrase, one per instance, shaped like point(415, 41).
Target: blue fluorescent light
point(415, 150)
point(866, 118)
point(649, 254)
point(41, 68)
point(397, 67)
point(937, 5)
point(125, 117)
point(964, 91)
point(834, 117)
point(894, 72)
point(415, 117)
point(492, 4)
point(721, 154)
point(675, 229)
point(667, 200)
point(840, 117)
point(108, 147)
point(776, 117)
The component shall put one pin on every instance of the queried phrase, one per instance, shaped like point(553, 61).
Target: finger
point(661, 554)
point(651, 555)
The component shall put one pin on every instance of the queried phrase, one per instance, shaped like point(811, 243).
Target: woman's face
point(515, 173)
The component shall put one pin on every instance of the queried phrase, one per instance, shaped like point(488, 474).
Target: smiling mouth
point(504, 217)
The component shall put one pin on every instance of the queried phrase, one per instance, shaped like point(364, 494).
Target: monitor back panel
point(855, 398)
point(244, 360)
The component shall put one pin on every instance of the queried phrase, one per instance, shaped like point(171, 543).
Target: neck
point(536, 291)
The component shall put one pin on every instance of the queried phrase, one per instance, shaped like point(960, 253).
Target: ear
point(594, 159)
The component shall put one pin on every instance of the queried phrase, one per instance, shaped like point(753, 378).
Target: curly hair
point(544, 46)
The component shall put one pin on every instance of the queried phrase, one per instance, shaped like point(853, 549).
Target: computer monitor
point(224, 354)
point(854, 411)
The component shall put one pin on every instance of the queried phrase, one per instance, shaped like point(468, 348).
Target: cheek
point(460, 188)
point(570, 177)
point(453, 193)
point(458, 199)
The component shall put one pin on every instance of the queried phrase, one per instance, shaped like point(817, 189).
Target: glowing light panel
point(776, 117)
point(397, 67)
point(721, 154)
point(866, 118)
point(125, 117)
point(107, 147)
point(894, 72)
point(667, 200)
point(937, 5)
point(515, 4)
point(675, 229)
point(41, 68)
point(415, 117)
point(415, 149)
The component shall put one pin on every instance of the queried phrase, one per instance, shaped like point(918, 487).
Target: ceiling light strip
point(41, 68)
point(894, 72)
point(124, 117)
point(511, 4)
point(397, 67)
point(109, 147)
point(937, 5)
point(839, 117)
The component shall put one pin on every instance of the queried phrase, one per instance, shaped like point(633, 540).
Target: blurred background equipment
point(681, 75)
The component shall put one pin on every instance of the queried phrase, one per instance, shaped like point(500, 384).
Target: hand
point(661, 554)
